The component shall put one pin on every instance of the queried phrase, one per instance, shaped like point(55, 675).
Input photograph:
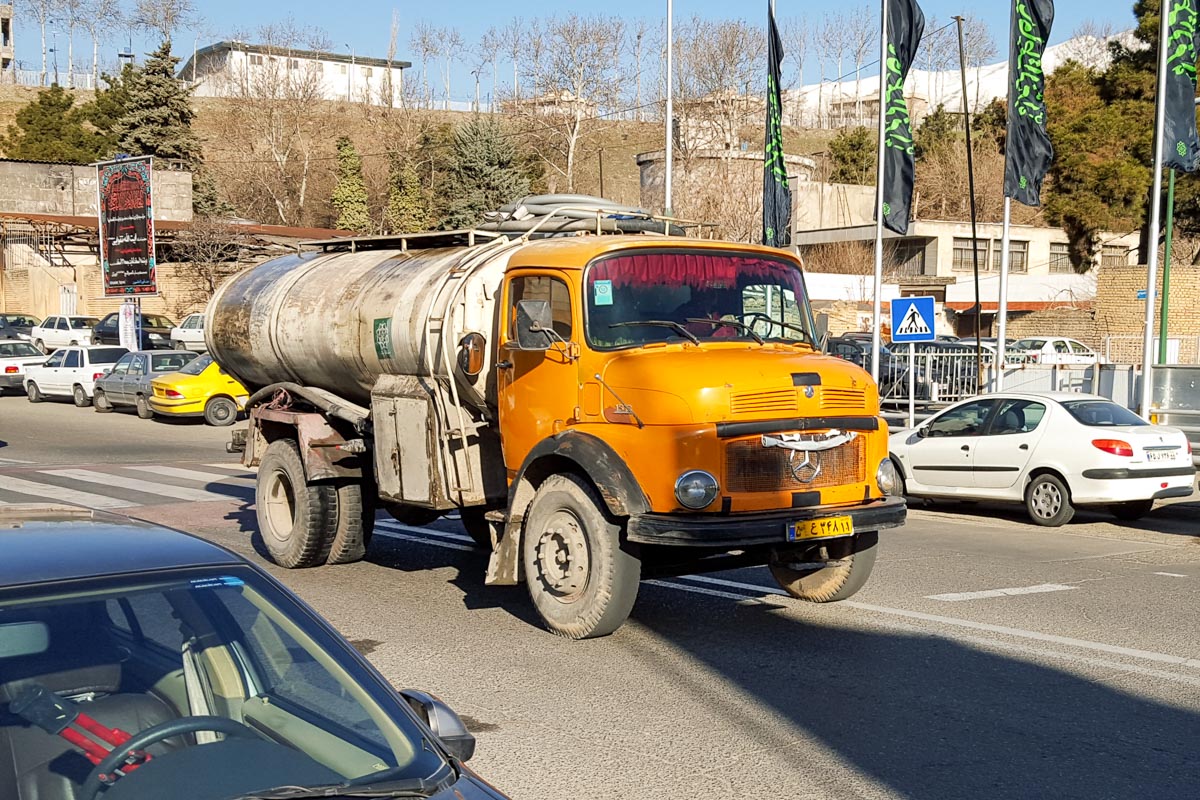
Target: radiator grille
point(842, 399)
point(773, 401)
point(750, 467)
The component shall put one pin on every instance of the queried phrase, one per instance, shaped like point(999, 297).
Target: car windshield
point(106, 355)
point(196, 366)
point(154, 321)
point(18, 320)
point(1101, 413)
point(83, 322)
point(221, 643)
point(642, 297)
point(18, 350)
point(171, 362)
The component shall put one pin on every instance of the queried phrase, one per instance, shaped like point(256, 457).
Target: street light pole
point(670, 153)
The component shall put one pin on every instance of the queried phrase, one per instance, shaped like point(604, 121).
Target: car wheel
point(100, 402)
point(220, 411)
point(297, 518)
point(1132, 510)
point(180, 346)
point(826, 573)
point(582, 578)
point(96, 340)
point(74, 343)
point(355, 524)
point(39, 344)
point(142, 406)
point(80, 397)
point(34, 393)
point(1048, 501)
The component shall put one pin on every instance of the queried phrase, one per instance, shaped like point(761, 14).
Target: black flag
point(1027, 150)
point(905, 24)
point(777, 196)
point(1181, 150)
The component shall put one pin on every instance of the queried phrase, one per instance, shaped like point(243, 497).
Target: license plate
point(1160, 455)
point(826, 528)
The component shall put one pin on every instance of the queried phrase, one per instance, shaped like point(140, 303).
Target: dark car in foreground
point(140, 663)
point(156, 331)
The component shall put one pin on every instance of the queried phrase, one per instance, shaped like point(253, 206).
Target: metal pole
point(600, 156)
point(1160, 116)
point(1166, 287)
point(876, 310)
point(1002, 309)
point(912, 384)
point(667, 206)
point(962, 71)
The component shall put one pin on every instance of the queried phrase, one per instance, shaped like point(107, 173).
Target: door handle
point(504, 365)
point(966, 447)
point(1023, 447)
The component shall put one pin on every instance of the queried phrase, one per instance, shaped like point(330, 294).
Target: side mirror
point(922, 431)
point(533, 321)
point(471, 352)
point(446, 725)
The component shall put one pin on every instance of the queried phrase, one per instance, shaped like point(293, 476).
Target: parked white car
point(62, 331)
point(189, 334)
point(1057, 350)
point(71, 372)
point(1053, 451)
point(15, 357)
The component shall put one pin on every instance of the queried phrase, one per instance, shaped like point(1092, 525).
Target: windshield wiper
point(717, 322)
point(663, 323)
point(413, 787)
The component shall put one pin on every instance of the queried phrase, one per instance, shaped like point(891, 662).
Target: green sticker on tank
point(383, 338)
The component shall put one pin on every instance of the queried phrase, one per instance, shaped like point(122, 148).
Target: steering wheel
point(748, 318)
point(93, 786)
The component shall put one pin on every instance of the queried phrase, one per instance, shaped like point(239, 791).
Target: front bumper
point(755, 528)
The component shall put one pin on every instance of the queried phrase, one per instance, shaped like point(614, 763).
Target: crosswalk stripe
point(188, 474)
point(149, 487)
point(234, 467)
point(87, 499)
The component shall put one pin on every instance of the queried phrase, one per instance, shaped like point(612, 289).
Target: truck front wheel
point(582, 579)
point(826, 573)
point(297, 518)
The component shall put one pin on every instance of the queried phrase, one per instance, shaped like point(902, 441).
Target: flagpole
point(876, 310)
point(670, 116)
point(962, 67)
point(1160, 117)
point(1002, 309)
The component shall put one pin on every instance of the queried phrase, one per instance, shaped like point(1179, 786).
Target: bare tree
point(638, 42)
point(1089, 43)
point(387, 90)
point(451, 45)
point(795, 33)
point(100, 17)
point(835, 39)
point(980, 49)
point(163, 16)
point(720, 68)
point(861, 36)
point(424, 41)
point(487, 53)
point(208, 253)
point(512, 40)
point(42, 11)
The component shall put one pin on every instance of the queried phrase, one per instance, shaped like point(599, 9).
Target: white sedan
point(1052, 451)
point(189, 334)
point(1056, 350)
point(15, 357)
point(71, 372)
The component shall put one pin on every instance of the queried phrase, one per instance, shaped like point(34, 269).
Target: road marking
point(235, 467)
point(954, 597)
point(422, 540)
point(188, 474)
point(73, 496)
point(1172, 575)
point(149, 487)
point(396, 526)
point(14, 461)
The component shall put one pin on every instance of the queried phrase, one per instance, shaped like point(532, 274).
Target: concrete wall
point(70, 190)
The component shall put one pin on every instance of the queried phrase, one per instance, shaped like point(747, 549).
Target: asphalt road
point(986, 658)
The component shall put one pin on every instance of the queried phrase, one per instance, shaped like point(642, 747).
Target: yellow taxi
point(201, 388)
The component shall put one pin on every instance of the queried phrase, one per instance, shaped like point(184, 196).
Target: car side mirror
point(534, 321)
point(923, 431)
point(446, 725)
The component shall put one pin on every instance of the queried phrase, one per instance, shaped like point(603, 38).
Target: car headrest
point(65, 653)
point(1012, 420)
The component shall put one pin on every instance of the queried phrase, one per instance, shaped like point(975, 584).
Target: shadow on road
point(1175, 519)
point(926, 716)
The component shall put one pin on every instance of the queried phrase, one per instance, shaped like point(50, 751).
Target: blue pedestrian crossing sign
point(912, 319)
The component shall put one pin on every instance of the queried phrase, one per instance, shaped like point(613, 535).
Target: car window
point(543, 287)
point(197, 366)
point(73, 359)
point(138, 366)
point(1060, 346)
point(56, 360)
point(60, 324)
point(106, 355)
point(1017, 416)
point(155, 321)
point(964, 420)
point(170, 362)
point(122, 366)
point(83, 322)
point(1101, 413)
point(1079, 349)
point(18, 350)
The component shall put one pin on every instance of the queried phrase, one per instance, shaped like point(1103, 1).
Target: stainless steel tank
point(338, 320)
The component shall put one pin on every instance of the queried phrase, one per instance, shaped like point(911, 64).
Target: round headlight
point(696, 489)
point(887, 477)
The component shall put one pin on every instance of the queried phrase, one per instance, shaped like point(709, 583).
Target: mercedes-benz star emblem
point(807, 467)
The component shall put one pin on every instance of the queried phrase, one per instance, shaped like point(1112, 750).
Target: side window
point(72, 360)
point(56, 360)
point(1079, 349)
point(966, 420)
point(542, 287)
point(61, 324)
point(1017, 416)
point(138, 366)
point(1061, 347)
point(122, 366)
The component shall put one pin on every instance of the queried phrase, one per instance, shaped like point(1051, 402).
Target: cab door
point(944, 455)
point(538, 390)
point(1003, 452)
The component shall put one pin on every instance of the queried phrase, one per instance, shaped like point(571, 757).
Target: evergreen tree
point(109, 106)
point(937, 132)
point(406, 210)
point(350, 193)
point(51, 128)
point(485, 173)
point(853, 155)
point(158, 114)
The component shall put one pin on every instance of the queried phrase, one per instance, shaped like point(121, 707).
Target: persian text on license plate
point(826, 528)
point(1160, 455)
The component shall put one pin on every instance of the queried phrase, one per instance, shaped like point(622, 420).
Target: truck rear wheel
point(581, 579)
point(846, 567)
point(415, 516)
point(477, 526)
point(355, 524)
point(297, 518)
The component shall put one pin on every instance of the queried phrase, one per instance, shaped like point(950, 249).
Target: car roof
point(1055, 396)
point(47, 543)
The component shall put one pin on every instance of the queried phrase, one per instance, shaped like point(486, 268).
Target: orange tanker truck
point(601, 400)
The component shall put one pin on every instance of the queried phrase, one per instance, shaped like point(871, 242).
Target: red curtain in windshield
point(691, 269)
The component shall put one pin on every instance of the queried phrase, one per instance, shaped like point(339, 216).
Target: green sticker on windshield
point(383, 338)
point(602, 293)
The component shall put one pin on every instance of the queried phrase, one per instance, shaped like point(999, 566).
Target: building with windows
point(240, 69)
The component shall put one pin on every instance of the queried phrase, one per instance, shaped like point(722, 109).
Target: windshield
point(83, 322)
point(224, 643)
point(171, 362)
point(157, 322)
point(18, 320)
point(1101, 413)
point(647, 296)
point(19, 349)
point(198, 365)
point(106, 355)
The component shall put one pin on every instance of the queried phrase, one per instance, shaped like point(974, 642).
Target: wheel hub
point(562, 558)
point(1047, 500)
point(280, 505)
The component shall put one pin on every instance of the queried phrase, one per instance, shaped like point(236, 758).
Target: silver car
point(128, 382)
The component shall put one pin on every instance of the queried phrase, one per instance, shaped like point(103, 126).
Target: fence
point(34, 77)
point(1128, 349)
